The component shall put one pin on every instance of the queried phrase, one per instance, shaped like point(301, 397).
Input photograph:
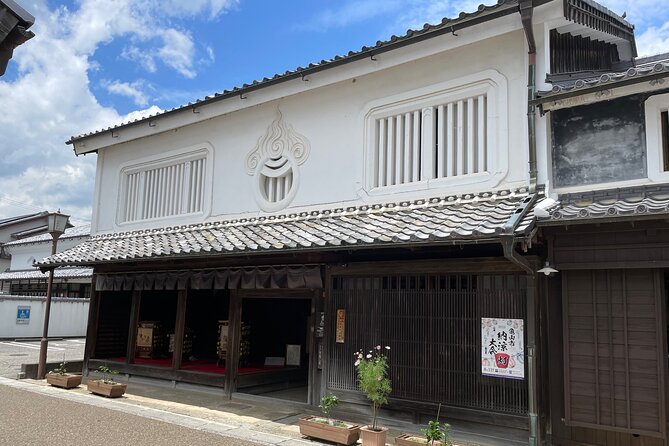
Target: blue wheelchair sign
point(23, 315)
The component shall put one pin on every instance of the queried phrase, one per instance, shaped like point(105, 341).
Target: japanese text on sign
point(502, 348)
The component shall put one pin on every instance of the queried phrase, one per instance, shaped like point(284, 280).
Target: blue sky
point(94, 63)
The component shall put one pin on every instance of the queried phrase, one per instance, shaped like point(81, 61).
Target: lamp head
point(547, 269)
point(57, 223)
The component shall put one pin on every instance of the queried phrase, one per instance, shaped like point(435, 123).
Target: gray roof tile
point(610, 204)
point(456, 219)
point(639, 73)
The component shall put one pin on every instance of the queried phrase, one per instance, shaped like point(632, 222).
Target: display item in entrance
point(244, 343)
point(150, 340)
point(187, 349)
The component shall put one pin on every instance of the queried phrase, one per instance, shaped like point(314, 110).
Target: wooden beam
point(92, 327)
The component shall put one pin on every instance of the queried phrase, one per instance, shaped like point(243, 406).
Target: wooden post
point(132, 328)
point(92, 328)
point(313, 341)
point(179, 329)
point(234, 338)
point(327, 330)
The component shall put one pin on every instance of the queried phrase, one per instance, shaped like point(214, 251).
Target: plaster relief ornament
point(274, 164)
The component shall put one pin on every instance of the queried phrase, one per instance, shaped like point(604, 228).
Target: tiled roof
point(22, 218)
point(637, 74)
point(455, 219)
point(612, 204)
point(74, 232)
point(483, 13)
point(59, 273)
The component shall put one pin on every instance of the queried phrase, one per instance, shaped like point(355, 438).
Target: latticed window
point(164, 188)
point(439, 135)
point(439, 141)
point(432, 322)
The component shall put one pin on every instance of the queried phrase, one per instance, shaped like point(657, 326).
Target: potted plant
point(59, 377)
point(326, 428)
point(435, 434)
point(106, 386)
point(372, 370)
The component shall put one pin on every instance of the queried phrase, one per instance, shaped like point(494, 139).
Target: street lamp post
point(57, 223)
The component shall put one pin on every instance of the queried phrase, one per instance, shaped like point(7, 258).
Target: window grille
point(432, 323)
point(440, 141)
point(164, 190)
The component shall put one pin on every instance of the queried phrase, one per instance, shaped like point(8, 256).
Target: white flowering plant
point(372, 370)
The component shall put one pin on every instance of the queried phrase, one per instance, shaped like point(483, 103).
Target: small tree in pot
point(373, 381)
point(59, 377)
point(326, 428)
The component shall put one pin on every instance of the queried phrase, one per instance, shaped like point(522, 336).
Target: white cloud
point(144, 58)
point(50, 99)
point(132, 90)
point(177, 52)
point(655, 40)
point(350, 12)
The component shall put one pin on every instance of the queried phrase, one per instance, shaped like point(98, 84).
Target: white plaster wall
point(69, 317)
point(332, 119)
point(22, 255)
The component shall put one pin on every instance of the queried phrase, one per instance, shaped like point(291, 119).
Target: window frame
point(490, 83)
point(191, 153)
point(654, 107)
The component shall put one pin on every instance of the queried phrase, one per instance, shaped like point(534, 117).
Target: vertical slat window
point(164, 191)
point(441, 141)
point(433, 325)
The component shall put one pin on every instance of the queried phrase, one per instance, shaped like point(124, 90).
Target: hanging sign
point(341, 325)
point(502, 348)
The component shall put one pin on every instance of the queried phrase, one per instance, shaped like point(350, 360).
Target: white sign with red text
point(502, 348)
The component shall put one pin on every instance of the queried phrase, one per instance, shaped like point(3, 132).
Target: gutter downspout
point(526, 8)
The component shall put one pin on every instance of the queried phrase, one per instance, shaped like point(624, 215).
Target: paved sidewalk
point(261, 421)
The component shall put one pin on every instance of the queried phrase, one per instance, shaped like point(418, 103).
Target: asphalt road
point(15, 353)
point(31, 419)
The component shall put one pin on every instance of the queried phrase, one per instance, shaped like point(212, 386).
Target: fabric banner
point(227, 278)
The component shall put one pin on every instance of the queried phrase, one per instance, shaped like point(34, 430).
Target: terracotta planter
point(373, 438)
point(336, 434)
point(108, 390)
point(65, 381)
point(412, 440)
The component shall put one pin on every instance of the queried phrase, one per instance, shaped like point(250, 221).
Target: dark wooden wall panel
point(614, 360)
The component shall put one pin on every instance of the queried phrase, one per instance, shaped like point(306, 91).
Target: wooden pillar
point(313, 385)
point(92, 327)
point(234, 338)
point(328, 330)
point(179, 329)
point(132, 328)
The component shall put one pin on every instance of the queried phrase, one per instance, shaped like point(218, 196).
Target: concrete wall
point(69, 317)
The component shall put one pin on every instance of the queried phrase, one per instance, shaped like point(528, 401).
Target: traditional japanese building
point(255, 239)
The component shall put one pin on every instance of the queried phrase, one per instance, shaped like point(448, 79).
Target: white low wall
point(68, 317)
